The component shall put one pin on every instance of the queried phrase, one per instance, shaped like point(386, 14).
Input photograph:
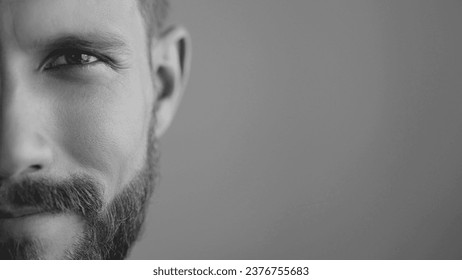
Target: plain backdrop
point(314, 129)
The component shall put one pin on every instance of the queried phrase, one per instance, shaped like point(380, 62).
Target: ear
point(171, 58)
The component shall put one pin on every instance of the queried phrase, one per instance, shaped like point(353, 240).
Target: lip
point(20, 213)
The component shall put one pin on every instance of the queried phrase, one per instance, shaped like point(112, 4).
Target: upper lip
point(17, 213)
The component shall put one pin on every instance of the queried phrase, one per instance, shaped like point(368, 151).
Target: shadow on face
point(84, 96)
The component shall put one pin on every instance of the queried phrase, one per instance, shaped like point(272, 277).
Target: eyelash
point(55, 55)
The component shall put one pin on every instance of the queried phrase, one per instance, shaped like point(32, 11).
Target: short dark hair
point(155, 14)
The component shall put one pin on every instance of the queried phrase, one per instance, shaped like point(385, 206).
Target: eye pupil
point(78, 58)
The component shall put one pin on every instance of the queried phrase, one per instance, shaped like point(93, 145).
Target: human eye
point(70, 58)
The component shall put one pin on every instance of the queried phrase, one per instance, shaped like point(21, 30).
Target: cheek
point(103, 128)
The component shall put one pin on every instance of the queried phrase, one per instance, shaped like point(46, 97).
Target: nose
point(23, 146)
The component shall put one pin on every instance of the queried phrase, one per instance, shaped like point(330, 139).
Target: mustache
point(78, 194)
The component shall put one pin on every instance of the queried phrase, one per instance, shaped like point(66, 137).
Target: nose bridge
point(23, 147)
point(15, 110)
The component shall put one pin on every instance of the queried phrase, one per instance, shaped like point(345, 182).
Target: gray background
point(314, 129)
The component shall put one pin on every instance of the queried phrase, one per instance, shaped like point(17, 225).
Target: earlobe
point(171, 58)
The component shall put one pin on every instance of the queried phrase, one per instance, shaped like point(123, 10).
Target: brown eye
point(74, 58)
point(79, 58)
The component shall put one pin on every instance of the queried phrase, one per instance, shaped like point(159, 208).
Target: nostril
point(35, 167)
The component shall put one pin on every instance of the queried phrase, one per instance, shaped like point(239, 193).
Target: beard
point(111, 234)
point(109, 231)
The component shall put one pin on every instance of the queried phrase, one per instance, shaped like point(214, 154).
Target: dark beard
point(109, 232)
point(20, 250)
point(111, 235)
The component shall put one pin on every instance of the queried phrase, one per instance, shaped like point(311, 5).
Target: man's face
point(77, 124)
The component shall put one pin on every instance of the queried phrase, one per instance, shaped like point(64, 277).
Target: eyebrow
point(102, 42)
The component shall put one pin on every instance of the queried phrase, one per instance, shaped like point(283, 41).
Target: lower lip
point(25, 225)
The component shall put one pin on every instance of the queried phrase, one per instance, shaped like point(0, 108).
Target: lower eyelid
point(71, 67)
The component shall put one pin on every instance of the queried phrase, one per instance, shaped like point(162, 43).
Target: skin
point(91, 116)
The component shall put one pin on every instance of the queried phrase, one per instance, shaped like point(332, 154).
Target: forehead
point(27, 21)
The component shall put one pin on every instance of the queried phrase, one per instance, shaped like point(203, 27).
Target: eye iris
point(78, 58)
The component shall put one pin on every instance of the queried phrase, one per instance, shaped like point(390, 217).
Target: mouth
point(22, 222)
point(17, 214)
point(38, 225)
